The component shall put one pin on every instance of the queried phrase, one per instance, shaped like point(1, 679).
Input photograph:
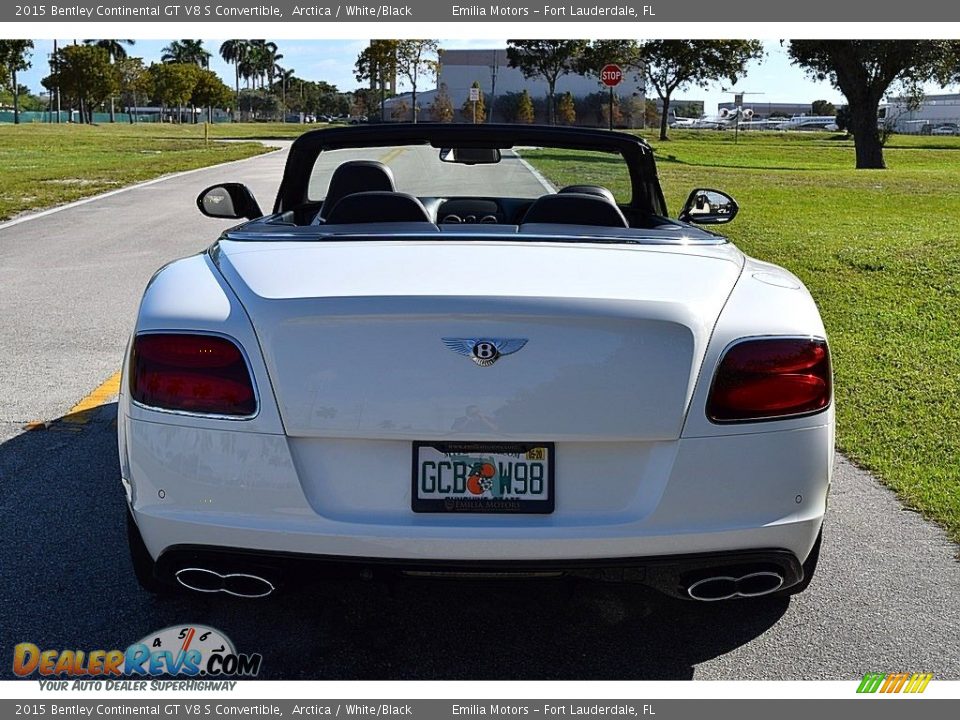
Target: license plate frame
point(461, 503)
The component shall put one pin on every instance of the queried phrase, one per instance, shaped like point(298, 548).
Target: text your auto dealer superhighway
point(174, 11)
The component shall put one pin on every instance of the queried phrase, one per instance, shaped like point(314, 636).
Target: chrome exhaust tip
point(727, 587)
point(242, 585)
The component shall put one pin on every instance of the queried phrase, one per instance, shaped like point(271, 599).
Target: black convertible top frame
point(646, 195)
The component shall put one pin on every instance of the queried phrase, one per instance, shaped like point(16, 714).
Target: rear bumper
point(339, 502)
point(671, 575)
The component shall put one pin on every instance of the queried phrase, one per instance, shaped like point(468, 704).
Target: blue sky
point(332, 61)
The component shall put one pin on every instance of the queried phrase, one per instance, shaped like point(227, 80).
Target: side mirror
point(231, 201)
point(709, 207)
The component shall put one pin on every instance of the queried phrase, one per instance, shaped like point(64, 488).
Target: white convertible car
point(428, 361)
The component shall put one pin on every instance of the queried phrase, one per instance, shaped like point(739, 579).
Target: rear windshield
point(521, 173)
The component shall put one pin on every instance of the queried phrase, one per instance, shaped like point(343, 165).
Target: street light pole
point(493, 84)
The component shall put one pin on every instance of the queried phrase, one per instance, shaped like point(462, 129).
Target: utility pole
point(383, 93)
point(494, 69)
point(56, 74)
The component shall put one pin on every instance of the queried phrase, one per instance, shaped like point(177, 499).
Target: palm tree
point(116, 50)
point(262, 61)
point(186, 52)
point(272, 61)
point(285, 76)
point(236, 52)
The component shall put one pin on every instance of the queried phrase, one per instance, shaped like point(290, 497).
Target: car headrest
point(597, 190)
point(377, 207)
point(575, 209)
point(355, 176)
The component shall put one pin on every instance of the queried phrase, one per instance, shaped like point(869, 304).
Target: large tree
point(866, 70)
point(285, 76)
point(135, 83)
point(549, 59)
point(209, 91)
point(14, 58)
point(417, 61)
point(85, 77)
point(186, 52)
point(674, 64)
point(378, 64)
point(269, 60)
point(116, 50)
point(173, 84)
point(441, 109)
point(260, 63)
point(235, 51)
point(625, 53)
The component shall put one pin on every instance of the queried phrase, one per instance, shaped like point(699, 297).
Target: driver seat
point(354, 176)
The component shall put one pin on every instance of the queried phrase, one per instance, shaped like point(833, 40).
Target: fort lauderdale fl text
point(555, 11)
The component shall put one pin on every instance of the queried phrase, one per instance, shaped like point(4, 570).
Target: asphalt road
point(885, 597)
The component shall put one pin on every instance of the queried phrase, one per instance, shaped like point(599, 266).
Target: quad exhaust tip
point(242, 585)
point(727, 587)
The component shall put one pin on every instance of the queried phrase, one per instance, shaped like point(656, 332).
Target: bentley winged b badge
point(485, 351)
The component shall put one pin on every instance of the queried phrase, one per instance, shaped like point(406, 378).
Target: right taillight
point(191, 373)
point(769, 378)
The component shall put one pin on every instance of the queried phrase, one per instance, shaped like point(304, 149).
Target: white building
point(933, 110)
point(459, 69)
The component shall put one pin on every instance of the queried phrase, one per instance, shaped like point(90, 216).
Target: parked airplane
point(680, 122)
point(722, 120)
point(810, 122)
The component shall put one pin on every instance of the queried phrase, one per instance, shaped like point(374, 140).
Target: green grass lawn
point(880, 252)
point(45, 165)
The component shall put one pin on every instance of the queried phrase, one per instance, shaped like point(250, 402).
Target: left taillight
point(191, 373)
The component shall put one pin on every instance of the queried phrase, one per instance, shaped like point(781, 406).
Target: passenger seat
point(575, 208)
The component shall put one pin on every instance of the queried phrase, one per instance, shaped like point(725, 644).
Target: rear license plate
point(481, 477)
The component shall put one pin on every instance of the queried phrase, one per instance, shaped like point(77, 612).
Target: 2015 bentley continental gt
point(428, 360)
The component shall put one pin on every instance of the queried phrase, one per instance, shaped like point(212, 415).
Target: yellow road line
point(80, 413)
point(392, 155)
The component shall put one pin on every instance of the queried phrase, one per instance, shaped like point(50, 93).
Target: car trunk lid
point(374, 339)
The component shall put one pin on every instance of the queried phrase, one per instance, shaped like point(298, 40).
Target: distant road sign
point(474, 94)
point(611, 75)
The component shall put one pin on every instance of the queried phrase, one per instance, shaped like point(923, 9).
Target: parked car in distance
point(946, 129)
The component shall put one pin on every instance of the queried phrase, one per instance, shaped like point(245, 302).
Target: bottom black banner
point(880, 708)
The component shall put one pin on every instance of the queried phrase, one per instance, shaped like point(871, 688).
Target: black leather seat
point(355, 176)
point(598, 190)
point(377, 207)
point(575, 209)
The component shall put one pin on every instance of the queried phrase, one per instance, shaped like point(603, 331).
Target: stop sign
point(611, 75)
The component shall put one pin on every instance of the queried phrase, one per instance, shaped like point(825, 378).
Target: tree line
point(99, 71)
point(84, 77)
point(864, 71)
